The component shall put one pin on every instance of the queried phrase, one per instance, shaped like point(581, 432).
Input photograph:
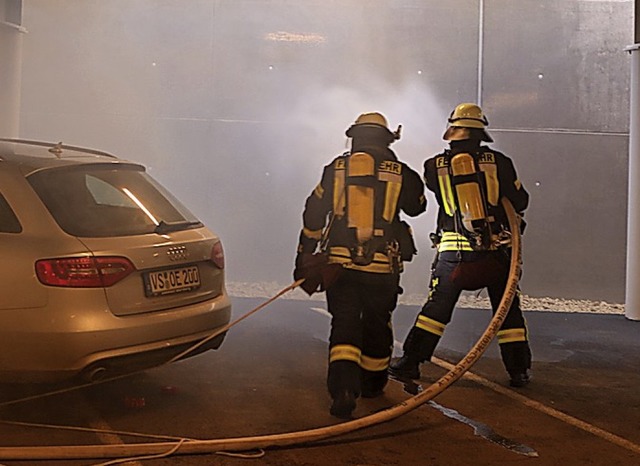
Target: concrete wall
point(11, 32)
point(237, 104)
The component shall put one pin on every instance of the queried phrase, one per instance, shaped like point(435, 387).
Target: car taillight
point(83, 272)
point(217, 255)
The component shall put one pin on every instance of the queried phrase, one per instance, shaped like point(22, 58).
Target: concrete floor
point(582, 408)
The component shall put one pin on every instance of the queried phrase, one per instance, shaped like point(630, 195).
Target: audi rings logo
point(177, 253)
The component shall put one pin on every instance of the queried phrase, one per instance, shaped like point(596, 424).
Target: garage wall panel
point(236, 105)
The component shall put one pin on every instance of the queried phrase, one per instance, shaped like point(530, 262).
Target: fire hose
point(188, 446)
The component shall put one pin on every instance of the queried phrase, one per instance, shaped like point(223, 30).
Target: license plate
point(172, 281)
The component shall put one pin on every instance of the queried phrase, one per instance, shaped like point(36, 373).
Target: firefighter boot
point(516, 357)
point(406, 367)
point(418, 347)
point(373, 383)
point(343, 404)
point(519, 379)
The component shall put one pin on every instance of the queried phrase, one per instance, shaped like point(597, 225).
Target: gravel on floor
point(468, 299)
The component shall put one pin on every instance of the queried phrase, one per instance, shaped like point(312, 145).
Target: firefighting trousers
point(436, 313)
point(361, 339)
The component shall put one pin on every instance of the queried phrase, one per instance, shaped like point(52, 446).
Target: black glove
point(316, 271)
point(301, 260)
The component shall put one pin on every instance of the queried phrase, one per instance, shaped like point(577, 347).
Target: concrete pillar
point(632, 292)
point(11, 32)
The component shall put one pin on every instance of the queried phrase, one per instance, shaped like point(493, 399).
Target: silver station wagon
point(102, 270)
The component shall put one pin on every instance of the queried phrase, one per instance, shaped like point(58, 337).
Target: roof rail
point(56, 149)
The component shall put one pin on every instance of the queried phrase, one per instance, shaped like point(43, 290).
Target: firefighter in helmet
point(468, 180)
point(351, 226)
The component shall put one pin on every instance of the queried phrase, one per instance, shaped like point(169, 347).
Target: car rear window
point(109, 200)
point(8, 221)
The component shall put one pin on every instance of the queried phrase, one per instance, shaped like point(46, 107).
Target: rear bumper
point(95, 343)
point(108, 365)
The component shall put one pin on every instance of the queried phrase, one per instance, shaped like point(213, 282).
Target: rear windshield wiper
point(166, 227)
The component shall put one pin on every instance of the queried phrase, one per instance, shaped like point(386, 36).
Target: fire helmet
point(468, 116)
point(372, 123)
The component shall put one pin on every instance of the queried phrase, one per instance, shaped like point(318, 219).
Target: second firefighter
point(468, 180)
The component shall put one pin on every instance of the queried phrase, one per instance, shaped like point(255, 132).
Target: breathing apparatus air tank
point(471, 201)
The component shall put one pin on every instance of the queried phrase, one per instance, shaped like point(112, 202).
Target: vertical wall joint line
point(481, 50)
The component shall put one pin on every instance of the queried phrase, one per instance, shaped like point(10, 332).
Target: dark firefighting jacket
point(500, 179)
point(358, 201)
